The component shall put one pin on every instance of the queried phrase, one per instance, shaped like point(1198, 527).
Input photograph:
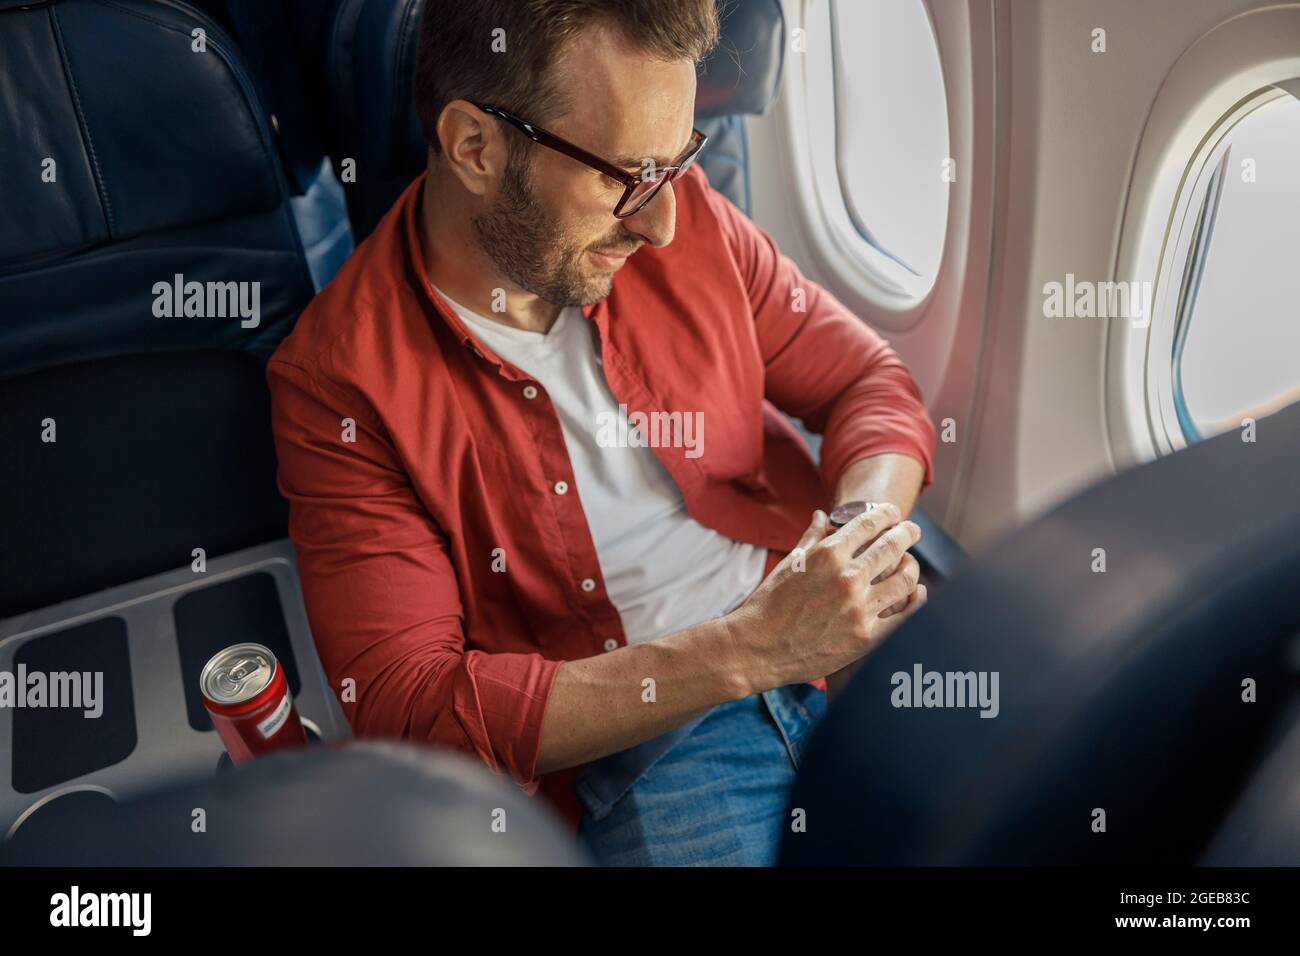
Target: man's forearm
point(888, 477)
point(606, 703)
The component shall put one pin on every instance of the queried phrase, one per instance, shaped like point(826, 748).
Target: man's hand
point(892, 617)
point(800, 625)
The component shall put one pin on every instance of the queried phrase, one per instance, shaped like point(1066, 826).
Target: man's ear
point(473, 145)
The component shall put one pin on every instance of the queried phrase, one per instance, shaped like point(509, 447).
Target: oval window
point(1237, 337)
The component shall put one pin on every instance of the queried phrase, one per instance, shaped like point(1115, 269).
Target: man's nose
point(656, 221)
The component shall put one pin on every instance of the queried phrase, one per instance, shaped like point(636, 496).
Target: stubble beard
point(529, 248)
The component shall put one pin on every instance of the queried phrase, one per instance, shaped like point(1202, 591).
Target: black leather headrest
point(145, 134)
point(1143, 637)
point(129, 158)
point(353, 804)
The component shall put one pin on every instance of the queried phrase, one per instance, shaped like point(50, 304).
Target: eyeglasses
point(638, 188)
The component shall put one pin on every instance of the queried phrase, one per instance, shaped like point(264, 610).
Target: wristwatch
point(846, 512)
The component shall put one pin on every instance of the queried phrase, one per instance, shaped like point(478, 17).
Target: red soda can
point(248, 699)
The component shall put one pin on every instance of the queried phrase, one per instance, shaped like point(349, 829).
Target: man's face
point(550, 227)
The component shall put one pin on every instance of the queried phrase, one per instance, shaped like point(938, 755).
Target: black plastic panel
point(233, 612)
point(52, 745)
point(156, 455)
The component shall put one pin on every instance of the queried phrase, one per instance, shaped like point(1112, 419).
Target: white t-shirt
point(664, 571)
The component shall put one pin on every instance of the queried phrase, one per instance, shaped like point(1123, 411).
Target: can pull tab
point(241, 670)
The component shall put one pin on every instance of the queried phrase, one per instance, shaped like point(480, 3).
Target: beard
point(531, 248)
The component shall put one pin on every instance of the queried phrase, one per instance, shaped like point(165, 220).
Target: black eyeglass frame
point(629, 181)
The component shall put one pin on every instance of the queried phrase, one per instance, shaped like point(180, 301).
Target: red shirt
point(413, 459)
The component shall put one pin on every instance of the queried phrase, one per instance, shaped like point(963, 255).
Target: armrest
point(937, 553)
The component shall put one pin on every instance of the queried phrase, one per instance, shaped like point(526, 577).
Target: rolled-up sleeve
point(824, 365)
point(381, 591)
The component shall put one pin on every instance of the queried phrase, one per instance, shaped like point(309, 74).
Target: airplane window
point(1237, 339)
point(891, 132)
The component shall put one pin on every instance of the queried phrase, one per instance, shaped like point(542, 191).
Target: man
point(545, 507)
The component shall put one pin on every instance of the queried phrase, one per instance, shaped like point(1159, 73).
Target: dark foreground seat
point(1147, 714)
point(355, 804)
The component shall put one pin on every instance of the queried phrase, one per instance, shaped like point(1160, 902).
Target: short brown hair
point(456, 58)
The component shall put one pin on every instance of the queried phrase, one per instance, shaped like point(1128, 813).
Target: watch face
point(848, 511)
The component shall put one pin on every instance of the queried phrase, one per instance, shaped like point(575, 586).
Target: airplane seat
point(149, 265)
point(369, 61)
point(1145, 639)
point(358, 803)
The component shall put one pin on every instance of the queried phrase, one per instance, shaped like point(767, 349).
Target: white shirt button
point(588, 584)
point(530, 392)
point(561, 487)
point(611, 645)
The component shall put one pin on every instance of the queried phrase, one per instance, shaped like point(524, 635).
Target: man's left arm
point(828, 368)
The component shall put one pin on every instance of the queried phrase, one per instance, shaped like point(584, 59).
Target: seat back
point(149, 264)
point(371, 63)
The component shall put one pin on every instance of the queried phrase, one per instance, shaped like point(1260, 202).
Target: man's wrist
point(727, 655)
point(846, 511)
point(889, 476)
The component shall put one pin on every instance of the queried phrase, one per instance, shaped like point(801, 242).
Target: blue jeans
point(711, 793)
